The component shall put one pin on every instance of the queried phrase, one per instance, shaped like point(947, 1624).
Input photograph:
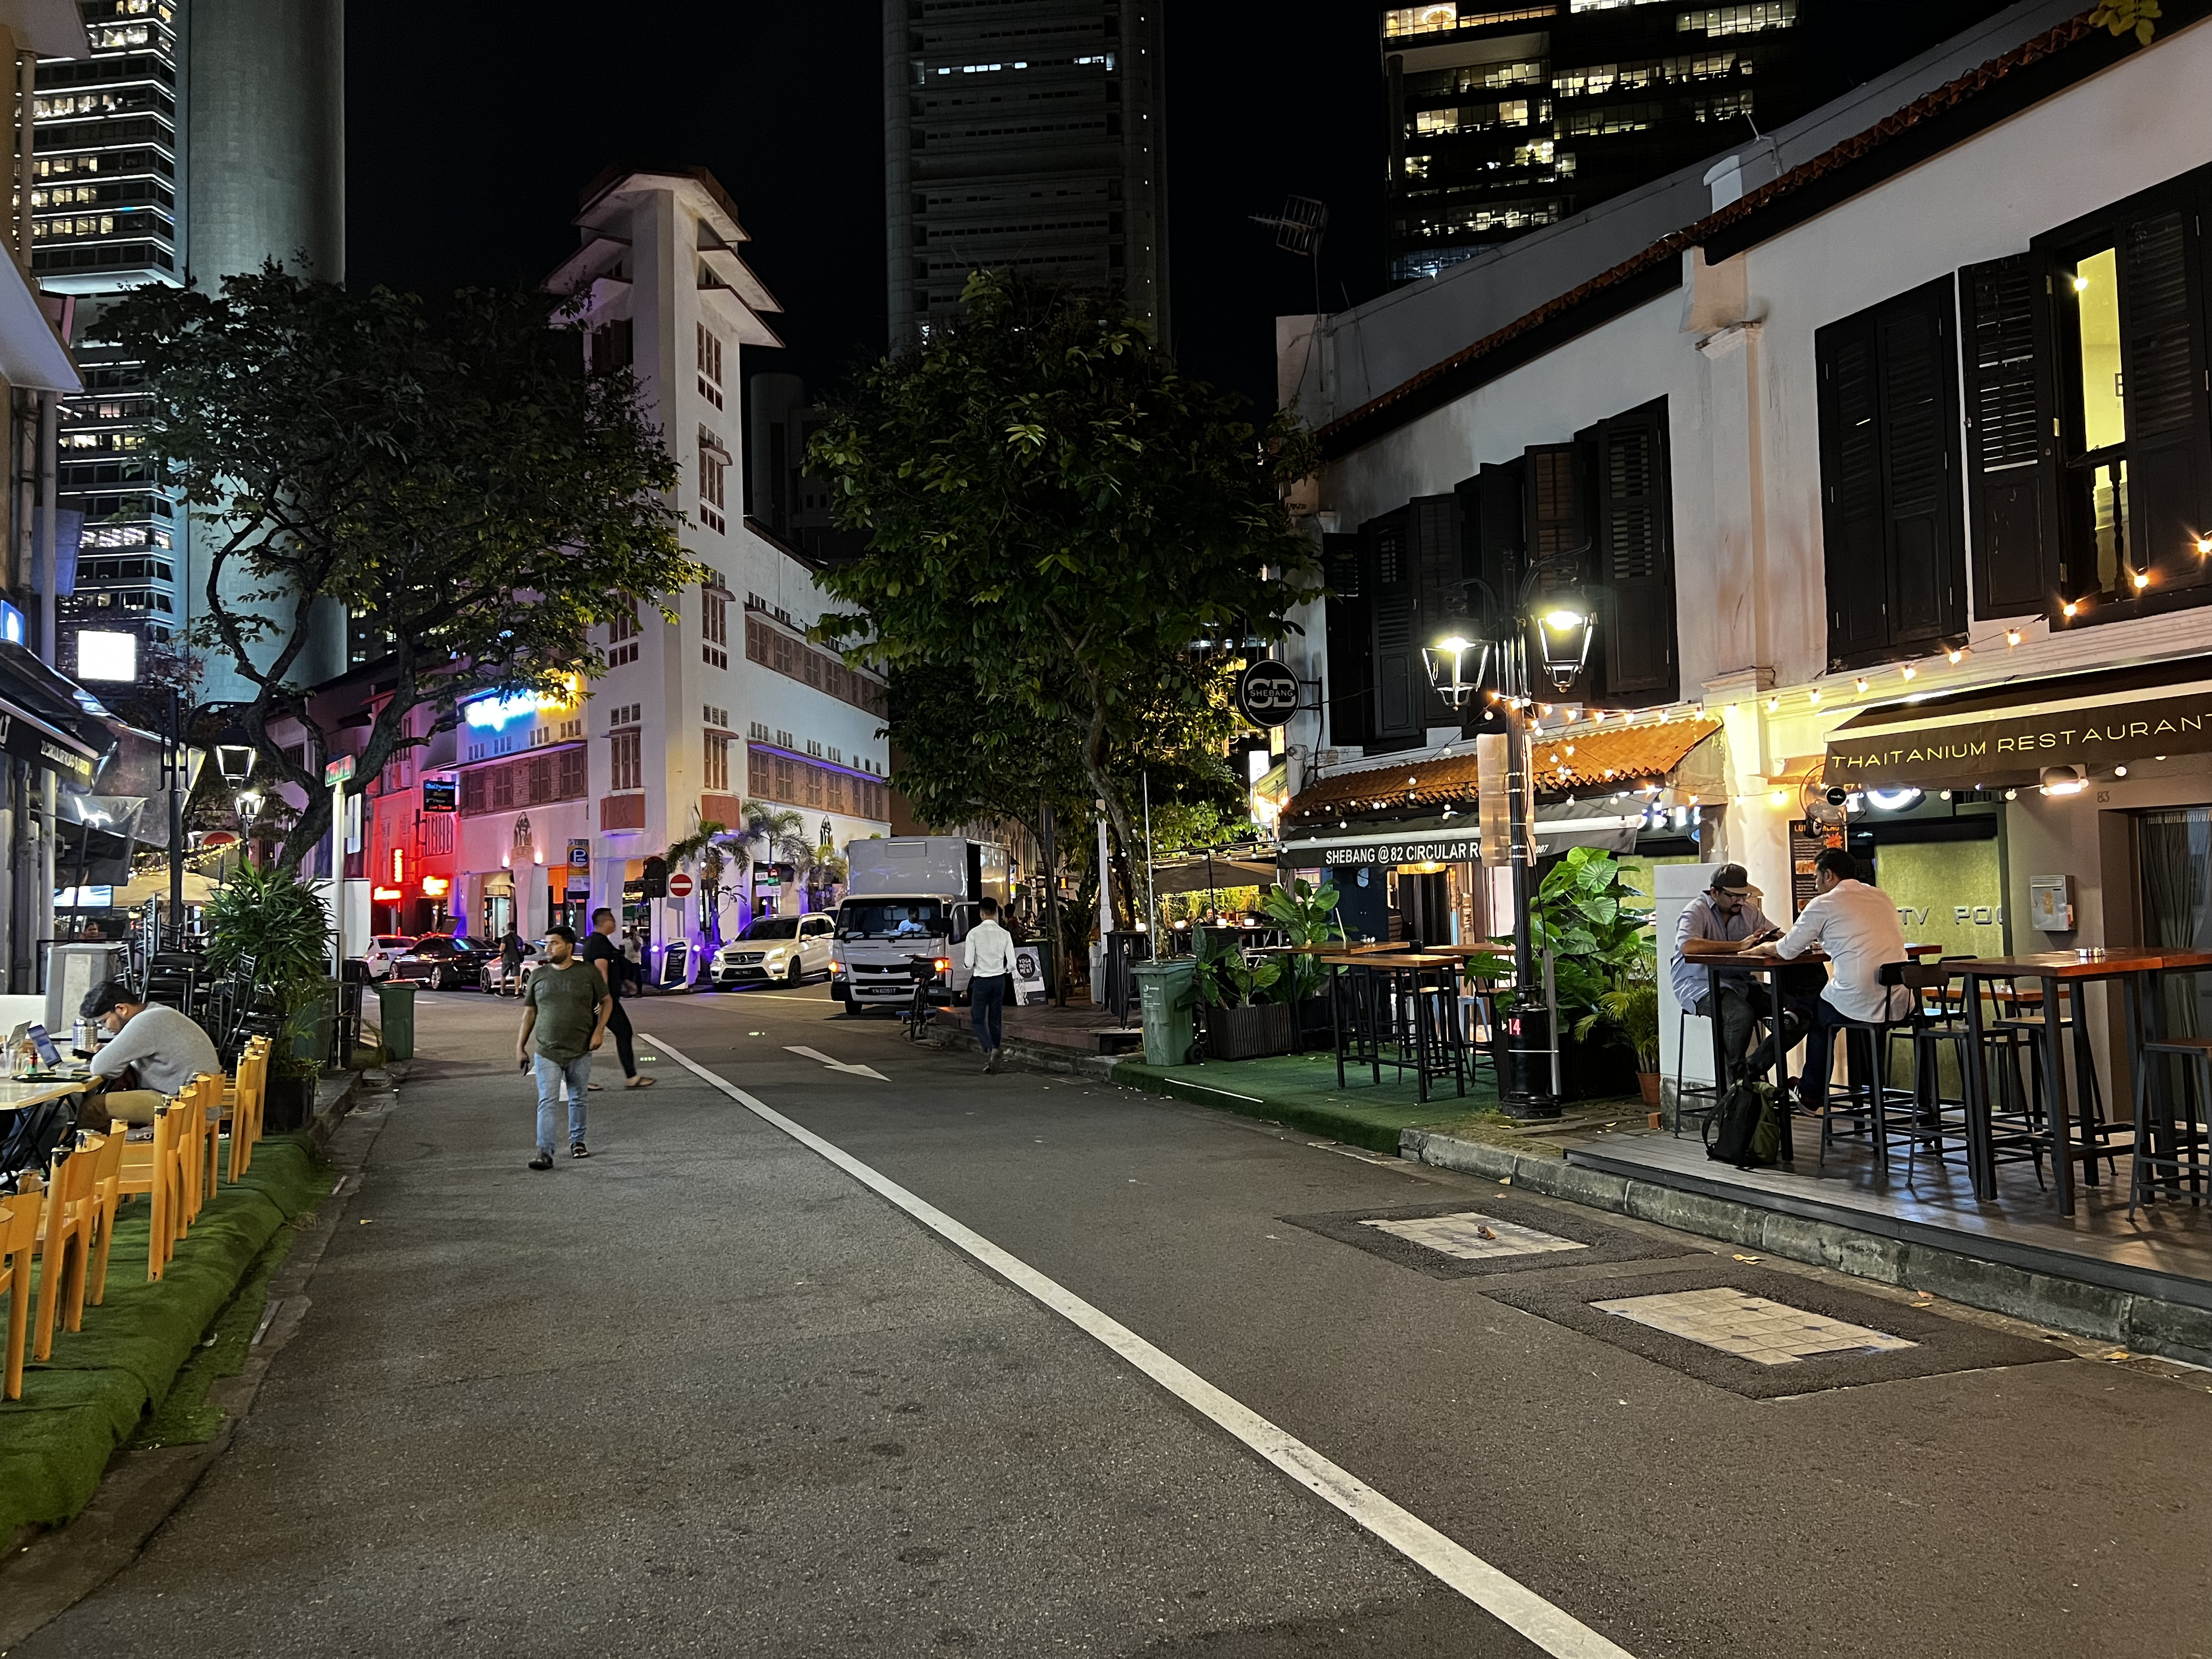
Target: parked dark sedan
point(439, 962)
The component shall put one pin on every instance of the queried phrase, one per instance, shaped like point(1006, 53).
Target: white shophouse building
point(1885, 442)
point(561, 804)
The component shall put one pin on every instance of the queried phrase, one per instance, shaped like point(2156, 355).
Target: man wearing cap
point(1721, 921)
point(154, 1052)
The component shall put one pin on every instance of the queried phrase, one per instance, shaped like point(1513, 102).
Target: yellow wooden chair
point(19, 1232)
point(65, 1241)
point(195, 1145)
point(107, 1198)
point(250, 1097)
point(150, 1168)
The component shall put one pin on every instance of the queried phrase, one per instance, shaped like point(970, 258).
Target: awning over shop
point(2008, 734)
point(1201, 875)
point(1580, 756)
point(1559, 826)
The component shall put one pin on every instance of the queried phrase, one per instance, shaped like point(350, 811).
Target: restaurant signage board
point(1267, 694)
point(1999, 746)
point(1452, 847)
point(441, 795)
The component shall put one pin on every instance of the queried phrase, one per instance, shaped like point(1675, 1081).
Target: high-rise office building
point(200, 137)
point(1023, 136)
point(1508, 115)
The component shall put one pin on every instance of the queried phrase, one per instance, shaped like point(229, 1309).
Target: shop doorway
point(2174, 850)
point(1424, 907)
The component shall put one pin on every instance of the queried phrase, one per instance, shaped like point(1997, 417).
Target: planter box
point(1251, 1032)
point(1315, 1031)
point(289, 1104)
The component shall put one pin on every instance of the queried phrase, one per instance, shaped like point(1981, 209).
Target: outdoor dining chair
point(18, 1234)
point(65, 1241)
point(150, 1167)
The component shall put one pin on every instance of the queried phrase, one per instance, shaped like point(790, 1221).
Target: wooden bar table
point(15, 1095)
point(2139, 968)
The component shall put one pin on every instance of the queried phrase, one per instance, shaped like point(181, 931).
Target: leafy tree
point(1053, 510)
point(448, 477)
point(708, 846)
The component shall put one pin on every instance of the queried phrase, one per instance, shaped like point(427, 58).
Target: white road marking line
point(1506, 1599)
point(816, 1054)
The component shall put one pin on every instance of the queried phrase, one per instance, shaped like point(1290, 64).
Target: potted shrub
point(282, 925)
point(1580, 915)
point(1630, 1014)
point(1306, 915)
point(1239, 1026)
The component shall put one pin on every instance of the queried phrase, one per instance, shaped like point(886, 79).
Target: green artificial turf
point(1300, 1092)
point(93, 1394)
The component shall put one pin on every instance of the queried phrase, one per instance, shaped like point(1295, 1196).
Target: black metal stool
point(2173, 1138)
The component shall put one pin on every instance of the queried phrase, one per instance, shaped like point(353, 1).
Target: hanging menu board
point(1807, 843)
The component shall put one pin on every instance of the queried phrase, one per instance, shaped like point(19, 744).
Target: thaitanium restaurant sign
point(2001, 745)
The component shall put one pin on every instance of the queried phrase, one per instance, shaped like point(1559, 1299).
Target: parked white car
point(788, 948)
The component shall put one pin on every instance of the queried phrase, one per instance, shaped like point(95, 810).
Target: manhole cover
point(1473, 1236)
point(1762, 1334)
point(1492, 1234)
point(1751, 1326)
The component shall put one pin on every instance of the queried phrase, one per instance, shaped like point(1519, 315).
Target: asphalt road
point(708, 1393)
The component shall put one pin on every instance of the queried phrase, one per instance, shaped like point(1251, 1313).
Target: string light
point(1816, 697)
point(1863, 685)
point(1957, 655)
point(1910, 673)
point(1773, 705)
point(2069, 608)
point(2203, 545)
point(2012, 638)
point(2141, 579)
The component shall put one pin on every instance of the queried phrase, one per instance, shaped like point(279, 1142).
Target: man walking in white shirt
point(1857, 926)
point(990, 955)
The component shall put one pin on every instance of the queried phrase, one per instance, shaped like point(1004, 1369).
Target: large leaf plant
point(267, 914)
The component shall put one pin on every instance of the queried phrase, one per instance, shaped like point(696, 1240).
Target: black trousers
point(618, 1023)
point(986, 997)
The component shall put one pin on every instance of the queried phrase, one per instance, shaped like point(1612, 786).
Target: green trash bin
point(1165, 991)
point(396, 998)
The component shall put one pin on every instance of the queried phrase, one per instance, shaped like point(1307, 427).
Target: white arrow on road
point(834, 1065)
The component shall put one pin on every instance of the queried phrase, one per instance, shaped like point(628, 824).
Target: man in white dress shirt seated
point(1857, 926)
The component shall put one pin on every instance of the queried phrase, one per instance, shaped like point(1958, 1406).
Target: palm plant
point(774, 834)
point(708, 846)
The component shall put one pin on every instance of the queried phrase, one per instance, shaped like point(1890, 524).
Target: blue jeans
point(986, 997)
point(550, 1075)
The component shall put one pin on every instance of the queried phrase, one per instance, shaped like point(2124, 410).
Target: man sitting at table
point(154, 1051)
point(1856, 925)
point(1723, 920)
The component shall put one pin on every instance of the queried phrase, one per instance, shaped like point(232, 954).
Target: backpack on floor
point(1747, 1130)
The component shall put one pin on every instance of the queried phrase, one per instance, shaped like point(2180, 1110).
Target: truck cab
point(909, 897)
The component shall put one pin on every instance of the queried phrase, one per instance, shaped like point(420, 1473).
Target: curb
point(2145, 1324)
point(1022, 1055)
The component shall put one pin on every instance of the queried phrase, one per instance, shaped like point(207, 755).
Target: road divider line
point(1504, 1598)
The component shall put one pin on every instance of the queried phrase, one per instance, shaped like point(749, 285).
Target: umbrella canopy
point(1199, 876)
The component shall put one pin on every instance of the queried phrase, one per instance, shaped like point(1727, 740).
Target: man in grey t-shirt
point(156, 1052)
point(1723, 919)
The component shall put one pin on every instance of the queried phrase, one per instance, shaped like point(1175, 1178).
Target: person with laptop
point(153, 1053)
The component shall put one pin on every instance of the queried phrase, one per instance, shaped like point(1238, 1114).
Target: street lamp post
point(1562, 626)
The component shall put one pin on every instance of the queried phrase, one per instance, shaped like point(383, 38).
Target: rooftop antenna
point(1299, 229)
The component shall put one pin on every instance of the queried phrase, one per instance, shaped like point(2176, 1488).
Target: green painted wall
point(1947, 893)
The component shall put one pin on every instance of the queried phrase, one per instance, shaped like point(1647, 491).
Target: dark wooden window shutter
point(1889, 493)
point(1433, 545)
point(1395, 716)
point(1501, 532)
point(2012, 457)
point(1558, 534)
point(1635, 556)
point(1351, 642)
point(2163, 381)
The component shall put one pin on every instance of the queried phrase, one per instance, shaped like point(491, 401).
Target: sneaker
point(543, 1161)
point(579, 1149)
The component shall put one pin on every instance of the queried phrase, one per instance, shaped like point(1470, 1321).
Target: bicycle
point(922, 1007)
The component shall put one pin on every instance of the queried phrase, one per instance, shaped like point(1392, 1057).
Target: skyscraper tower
point(200, 137)
point(1023, 136)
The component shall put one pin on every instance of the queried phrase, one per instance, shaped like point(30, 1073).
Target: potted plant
point(1630, 1012)
point(1581, 915)
point(1239, 1026)
point(282, 925)
point(1306, 915)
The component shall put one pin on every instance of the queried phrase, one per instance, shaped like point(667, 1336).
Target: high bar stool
point(1709, 1093)
point(2178, 1142)
point(2026, 1023)
point(1868, 1105)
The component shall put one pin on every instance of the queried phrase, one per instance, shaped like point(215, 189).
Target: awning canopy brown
point(2008, 734)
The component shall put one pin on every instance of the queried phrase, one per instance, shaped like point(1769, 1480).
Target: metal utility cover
point(1445, 1241)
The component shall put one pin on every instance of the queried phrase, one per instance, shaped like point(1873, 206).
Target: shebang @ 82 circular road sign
point(1267, 694)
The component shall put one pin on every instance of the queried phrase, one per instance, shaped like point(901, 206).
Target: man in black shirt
point(605, 955)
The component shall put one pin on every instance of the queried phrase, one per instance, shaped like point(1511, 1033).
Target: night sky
point(472, 127)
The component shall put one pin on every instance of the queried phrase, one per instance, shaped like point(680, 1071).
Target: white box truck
point(906, 896)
